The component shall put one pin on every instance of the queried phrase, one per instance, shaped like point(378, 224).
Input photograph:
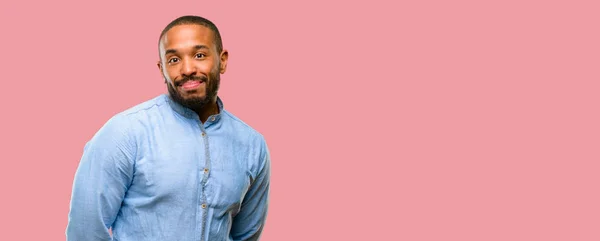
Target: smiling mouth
point(190, 80)
point(191, 84)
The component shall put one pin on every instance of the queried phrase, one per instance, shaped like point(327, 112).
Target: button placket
point(204, 172)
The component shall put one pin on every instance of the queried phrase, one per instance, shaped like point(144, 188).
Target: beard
point(212, 83)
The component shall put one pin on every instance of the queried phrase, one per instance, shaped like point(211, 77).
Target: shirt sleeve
point(101, 180)
point(248, 224)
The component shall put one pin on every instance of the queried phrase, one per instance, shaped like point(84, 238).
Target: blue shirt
point(156, 172)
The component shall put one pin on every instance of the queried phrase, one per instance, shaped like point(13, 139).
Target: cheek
point(171, 73)
point(205, 67)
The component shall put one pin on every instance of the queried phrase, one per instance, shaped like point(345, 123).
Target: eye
point(173, 60)
point(199, 55)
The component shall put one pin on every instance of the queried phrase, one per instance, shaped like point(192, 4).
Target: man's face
point(191, 65)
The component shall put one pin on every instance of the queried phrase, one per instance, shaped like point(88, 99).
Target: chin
point(192, 99)
point(193, 96)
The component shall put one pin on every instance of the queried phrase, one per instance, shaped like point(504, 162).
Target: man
point(178, 166)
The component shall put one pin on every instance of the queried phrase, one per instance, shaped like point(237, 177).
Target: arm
point(249, 222)
point(101, 181)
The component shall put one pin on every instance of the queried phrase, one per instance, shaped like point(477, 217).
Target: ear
point(224, 57)
point(160, 69)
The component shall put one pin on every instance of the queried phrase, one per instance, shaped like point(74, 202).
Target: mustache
point(188, 78)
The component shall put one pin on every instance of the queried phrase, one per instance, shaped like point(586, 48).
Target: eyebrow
point(196, 47)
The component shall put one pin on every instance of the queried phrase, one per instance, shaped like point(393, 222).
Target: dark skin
point(191, 67)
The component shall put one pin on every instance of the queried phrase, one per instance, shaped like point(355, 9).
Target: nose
point(188, 68)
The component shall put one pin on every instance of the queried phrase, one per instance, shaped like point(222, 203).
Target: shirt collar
point(189, 113)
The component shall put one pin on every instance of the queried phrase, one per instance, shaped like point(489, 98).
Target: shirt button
point(205, 170)
point(212, 118)
point(204, 205)
point(203, 134)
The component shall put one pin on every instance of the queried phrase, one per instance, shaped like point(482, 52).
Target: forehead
point(187, 35)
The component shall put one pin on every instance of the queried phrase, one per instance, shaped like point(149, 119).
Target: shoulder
point(254, 136)
point(129, 117)
point(143, 108)
point(124, 125)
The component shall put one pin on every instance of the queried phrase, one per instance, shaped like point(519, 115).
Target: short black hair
point(192, 19)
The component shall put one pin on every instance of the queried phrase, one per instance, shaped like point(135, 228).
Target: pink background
point(420, 120)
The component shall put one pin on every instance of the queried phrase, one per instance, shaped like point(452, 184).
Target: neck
point(211, 108)
point(203, 110)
